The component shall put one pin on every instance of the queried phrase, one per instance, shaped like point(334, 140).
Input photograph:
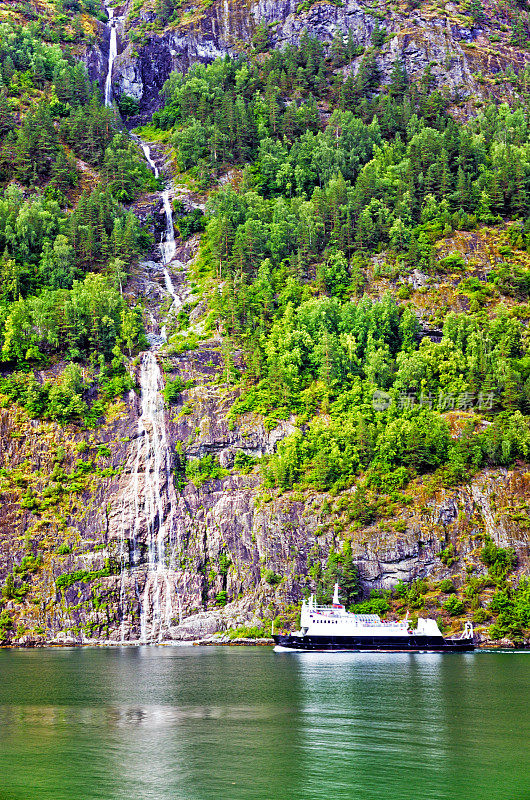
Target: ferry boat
point(334, 628)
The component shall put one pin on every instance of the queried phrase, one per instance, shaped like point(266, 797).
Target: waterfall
point(150, 501)
point(147, 153)
point(149, 506)
point(113, 52)
point(170, 288)
point(168, 247)
point(159, 500)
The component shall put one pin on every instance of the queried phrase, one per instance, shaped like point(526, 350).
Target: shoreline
point(240, 642)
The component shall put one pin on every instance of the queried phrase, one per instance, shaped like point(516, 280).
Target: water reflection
point(237, 724)
point(413, 726)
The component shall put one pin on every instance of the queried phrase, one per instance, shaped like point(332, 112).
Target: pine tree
point(349, 581)
point(8, 70)
point(8, 590)
point(476, 10)
point(338, 51)
point(289, 122)
point(164, 10)
point(78, 27)
point(348, 93)
point(519, 37)
point(351, 47)
point(399, 80)
point(378, 35)
point(24, 158)
point(7, 121)
point(520, 199)
point(260, 38)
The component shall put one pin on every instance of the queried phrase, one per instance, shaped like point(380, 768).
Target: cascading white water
point(147, 153)
point(151, 495)
point(157, 502)
point(113, 52)
point(168, 247)
point(150, 499)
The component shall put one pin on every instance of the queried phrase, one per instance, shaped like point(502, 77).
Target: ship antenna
point(336, 600)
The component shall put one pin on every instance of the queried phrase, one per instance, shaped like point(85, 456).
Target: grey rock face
point(227, 27)
point(96, 56)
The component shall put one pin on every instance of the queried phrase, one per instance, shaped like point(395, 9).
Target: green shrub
point(8, 589)
point(454, 262)
point(190, 223)
point(513, 608)
point(271, 577)
point(6, 624)
point(243, 462)
point(454, 606)
point(244, 632)
point(499, 560)
point(447, 586)
point(84, 467)
point(221, 598)
point(115, 386)
point(129, 106)
point(172, 389)
point(448, 555)
point(207, 468)
point(376, 605)
point(225, 562)
point(480, 616)
point(86, 576)
point(28, 564)
point(404, 291)
point(413, 593)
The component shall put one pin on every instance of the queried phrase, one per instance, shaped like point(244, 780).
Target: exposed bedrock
point(141, 70)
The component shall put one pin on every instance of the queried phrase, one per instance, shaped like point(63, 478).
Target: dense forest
point(65, 240)
point(388, 171)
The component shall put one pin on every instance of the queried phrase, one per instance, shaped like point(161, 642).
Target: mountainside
point(472, 50)
point(275, 337)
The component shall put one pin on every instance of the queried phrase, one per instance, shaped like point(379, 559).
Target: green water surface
point(193, 723)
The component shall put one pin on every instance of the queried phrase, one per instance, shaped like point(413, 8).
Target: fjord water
point(191, 723)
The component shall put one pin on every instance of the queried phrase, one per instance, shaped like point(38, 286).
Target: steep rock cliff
point(465, 60)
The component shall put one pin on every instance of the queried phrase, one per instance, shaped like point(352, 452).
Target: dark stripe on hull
point(400, 644)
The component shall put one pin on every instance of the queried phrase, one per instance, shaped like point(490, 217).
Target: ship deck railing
point(327, 612)
point(384, 624)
